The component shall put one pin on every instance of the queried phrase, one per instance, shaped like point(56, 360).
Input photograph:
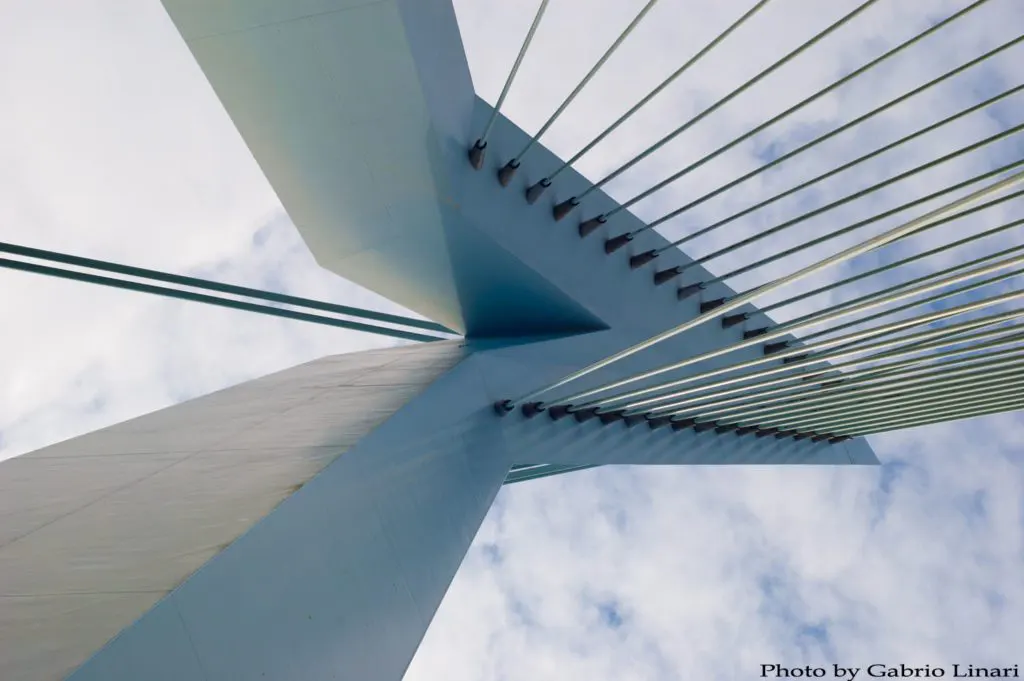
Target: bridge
point(308, 523)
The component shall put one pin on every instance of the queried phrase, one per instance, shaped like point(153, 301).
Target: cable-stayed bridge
point(307, 524)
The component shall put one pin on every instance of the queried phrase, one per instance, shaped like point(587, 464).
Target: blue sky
point(115, 147)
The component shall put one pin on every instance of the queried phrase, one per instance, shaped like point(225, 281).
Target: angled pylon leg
point(258, 532)
point(302, 525)
point(360, 115)
point(307, 524)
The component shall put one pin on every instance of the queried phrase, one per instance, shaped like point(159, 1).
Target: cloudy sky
point(115, 147)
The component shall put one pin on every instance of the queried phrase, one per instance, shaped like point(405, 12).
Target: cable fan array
point(945, 345)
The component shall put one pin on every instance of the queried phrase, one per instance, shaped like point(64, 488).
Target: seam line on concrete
point(282, 22)
point(94, 501)
point(160, 470)
point(188, 635)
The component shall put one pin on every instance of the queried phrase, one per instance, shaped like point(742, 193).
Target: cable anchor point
point(476, 154)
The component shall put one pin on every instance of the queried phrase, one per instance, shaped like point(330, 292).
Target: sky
point(115, 147)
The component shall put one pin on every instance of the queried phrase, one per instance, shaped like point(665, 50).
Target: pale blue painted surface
point(97, 529)
point(342, 579)
point(360, 114)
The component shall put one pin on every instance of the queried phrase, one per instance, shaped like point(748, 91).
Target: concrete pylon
point(307, 524)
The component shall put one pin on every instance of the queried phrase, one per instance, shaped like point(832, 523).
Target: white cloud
point(116, 148)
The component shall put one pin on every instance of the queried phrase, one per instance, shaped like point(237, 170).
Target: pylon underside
point(307, 524)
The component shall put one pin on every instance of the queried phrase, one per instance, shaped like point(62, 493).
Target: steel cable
point(725, 100)
point(728, 306)
point(476, 152)
point(794, 108)
point(624, 238)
